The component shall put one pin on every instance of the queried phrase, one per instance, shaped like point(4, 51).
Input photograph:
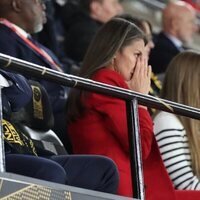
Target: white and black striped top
point(173, 143)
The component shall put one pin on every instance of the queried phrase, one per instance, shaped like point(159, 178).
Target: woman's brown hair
point(110, 39)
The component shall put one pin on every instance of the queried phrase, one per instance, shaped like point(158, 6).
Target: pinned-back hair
point(111, 38)
point(136, 20)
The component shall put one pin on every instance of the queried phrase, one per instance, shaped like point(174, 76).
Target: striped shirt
point(173, 143)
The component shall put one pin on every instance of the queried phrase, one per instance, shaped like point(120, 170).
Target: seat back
point(35, 120)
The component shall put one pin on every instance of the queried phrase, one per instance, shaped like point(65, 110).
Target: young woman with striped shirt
point(178, 137)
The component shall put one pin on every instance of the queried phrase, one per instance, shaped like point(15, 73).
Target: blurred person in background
point(178, 27)
point(52, 35)
point(81, 21)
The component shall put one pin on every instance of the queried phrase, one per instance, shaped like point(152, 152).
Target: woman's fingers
point(142, 68)
point(137, 66)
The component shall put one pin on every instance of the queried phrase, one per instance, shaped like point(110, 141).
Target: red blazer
point(103, 130)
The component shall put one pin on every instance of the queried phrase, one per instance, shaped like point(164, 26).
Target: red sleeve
point(146, 132)
point(113, 111)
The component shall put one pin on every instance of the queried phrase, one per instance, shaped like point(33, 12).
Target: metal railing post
point(135, 149)
point(3, 83)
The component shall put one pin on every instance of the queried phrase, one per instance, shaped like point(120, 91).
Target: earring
point(114, 64)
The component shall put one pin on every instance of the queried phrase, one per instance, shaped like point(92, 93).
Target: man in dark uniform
point(19, 19)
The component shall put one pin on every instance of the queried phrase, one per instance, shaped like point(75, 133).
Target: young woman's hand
point(140, 80)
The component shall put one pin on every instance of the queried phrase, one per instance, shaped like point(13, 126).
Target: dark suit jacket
point(80, 29)
point(162, 53)
point(12, 44)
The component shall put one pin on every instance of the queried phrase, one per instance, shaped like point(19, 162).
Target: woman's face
point(126, 59)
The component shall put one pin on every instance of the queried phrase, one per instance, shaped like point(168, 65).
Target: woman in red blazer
point(97, 123)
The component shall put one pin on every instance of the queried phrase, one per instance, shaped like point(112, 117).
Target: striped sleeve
point(173, 143)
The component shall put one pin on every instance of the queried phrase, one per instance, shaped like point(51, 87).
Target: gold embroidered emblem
point(37, 103)
point(10, 133)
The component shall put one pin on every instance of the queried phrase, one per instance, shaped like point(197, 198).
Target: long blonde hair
point(182, 85)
